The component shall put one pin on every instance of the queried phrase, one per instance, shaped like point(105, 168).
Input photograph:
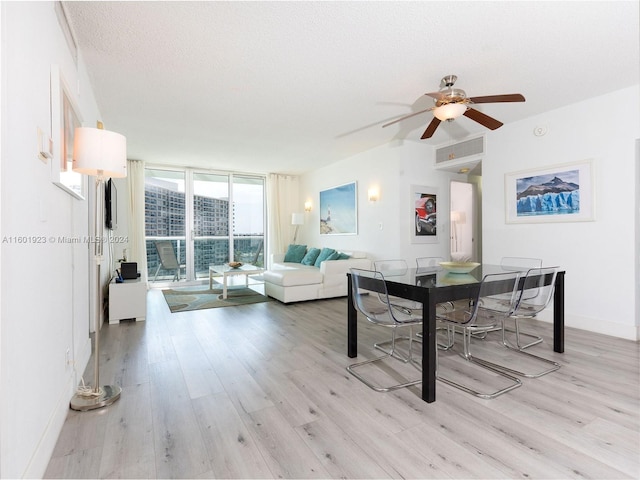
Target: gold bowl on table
point(235, 264)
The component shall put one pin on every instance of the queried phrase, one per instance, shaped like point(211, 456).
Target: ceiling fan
point(451, 103)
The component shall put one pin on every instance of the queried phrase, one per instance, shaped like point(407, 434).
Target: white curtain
point(135, 226)
point(282, 201)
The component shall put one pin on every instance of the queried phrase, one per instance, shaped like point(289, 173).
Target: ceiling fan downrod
point(448, 81)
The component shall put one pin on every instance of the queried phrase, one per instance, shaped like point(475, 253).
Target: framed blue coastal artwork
point(338, 210)
point(561, 193)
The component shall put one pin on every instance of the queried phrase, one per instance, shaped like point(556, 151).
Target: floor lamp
point(100, 154)
point(457, 218)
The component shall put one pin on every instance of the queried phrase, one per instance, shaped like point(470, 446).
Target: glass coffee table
point(226, 271)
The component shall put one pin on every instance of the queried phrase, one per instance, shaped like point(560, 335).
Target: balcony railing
point(212, 250)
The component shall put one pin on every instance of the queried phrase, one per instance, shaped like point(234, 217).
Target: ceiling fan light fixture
point(449, 111)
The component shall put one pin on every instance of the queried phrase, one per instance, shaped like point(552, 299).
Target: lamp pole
point(99, 396)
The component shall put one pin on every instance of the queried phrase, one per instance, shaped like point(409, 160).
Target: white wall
point(44, 286)
point(599, 255)
point(393, 169)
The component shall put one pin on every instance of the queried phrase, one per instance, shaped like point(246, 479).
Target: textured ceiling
point(291, 86)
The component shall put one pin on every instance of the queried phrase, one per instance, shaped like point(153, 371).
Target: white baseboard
point(596, 325)
point(42, 455)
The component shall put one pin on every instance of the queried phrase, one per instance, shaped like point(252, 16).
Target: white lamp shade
point(459, 217)
point(297, 219)
point(450, 111)
point(99, 152)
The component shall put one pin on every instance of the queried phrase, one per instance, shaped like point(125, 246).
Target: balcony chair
point(168, 259)
point(253, 257)
point(481, 313)
point(371, 299)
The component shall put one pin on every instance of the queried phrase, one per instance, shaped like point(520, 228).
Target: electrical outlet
point(380, 225)
point(67, 358)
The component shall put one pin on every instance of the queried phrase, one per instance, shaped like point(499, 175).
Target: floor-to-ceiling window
point(249, 219)
point(165, 227)
point(196, 219)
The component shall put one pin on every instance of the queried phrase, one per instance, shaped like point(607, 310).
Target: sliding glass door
point(249, 219)
point(202, 219)
point(165, 224)
point(210, 222)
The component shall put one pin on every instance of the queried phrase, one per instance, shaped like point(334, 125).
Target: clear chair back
point(536, 292)
point(496, 297)
point(520, 263)
point(428, 262)
point(371, 298)
point(391, 267)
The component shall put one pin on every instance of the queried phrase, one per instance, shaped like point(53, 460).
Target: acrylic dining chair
point(371, 299)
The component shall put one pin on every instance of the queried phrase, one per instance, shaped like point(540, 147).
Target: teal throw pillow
point(295, 253)
point(343, 256)
point(324, 254)
point(311, 256)
point(334, 256)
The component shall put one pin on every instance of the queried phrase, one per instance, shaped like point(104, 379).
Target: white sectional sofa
point(294, 282)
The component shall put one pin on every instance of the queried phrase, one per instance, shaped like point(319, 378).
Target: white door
point(463, 224)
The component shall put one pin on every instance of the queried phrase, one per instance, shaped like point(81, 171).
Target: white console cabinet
point(127, 300)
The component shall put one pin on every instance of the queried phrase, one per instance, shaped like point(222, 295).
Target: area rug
point(197, 298)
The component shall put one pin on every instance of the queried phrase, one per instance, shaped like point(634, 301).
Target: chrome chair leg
point(554, 365)
point(517, 331)
point(372, 300)
point(351, 369)
point(392, 353)
point(466, 354)
point(156, 274)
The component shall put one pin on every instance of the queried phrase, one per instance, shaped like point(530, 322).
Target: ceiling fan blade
point(481, 118)
point(428, 133)
point(407, 116)
point(514, 97)
point(436, 95)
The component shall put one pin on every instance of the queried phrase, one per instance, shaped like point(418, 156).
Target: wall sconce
point(373, 194)
point(307, 206)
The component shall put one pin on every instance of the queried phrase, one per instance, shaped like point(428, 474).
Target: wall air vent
point(461, 150)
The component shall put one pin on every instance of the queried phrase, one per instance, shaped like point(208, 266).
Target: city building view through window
point(194, 220)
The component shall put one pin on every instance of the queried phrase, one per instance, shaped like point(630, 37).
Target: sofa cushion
point(343, 256)
point(334, 256)
point(325, 253)
point(295, 253)
point(293, 277)
point(311, 256)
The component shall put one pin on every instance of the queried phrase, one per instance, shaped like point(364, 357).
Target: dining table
point(433, 285)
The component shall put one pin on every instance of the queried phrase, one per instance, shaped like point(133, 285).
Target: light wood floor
point(261, 391)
